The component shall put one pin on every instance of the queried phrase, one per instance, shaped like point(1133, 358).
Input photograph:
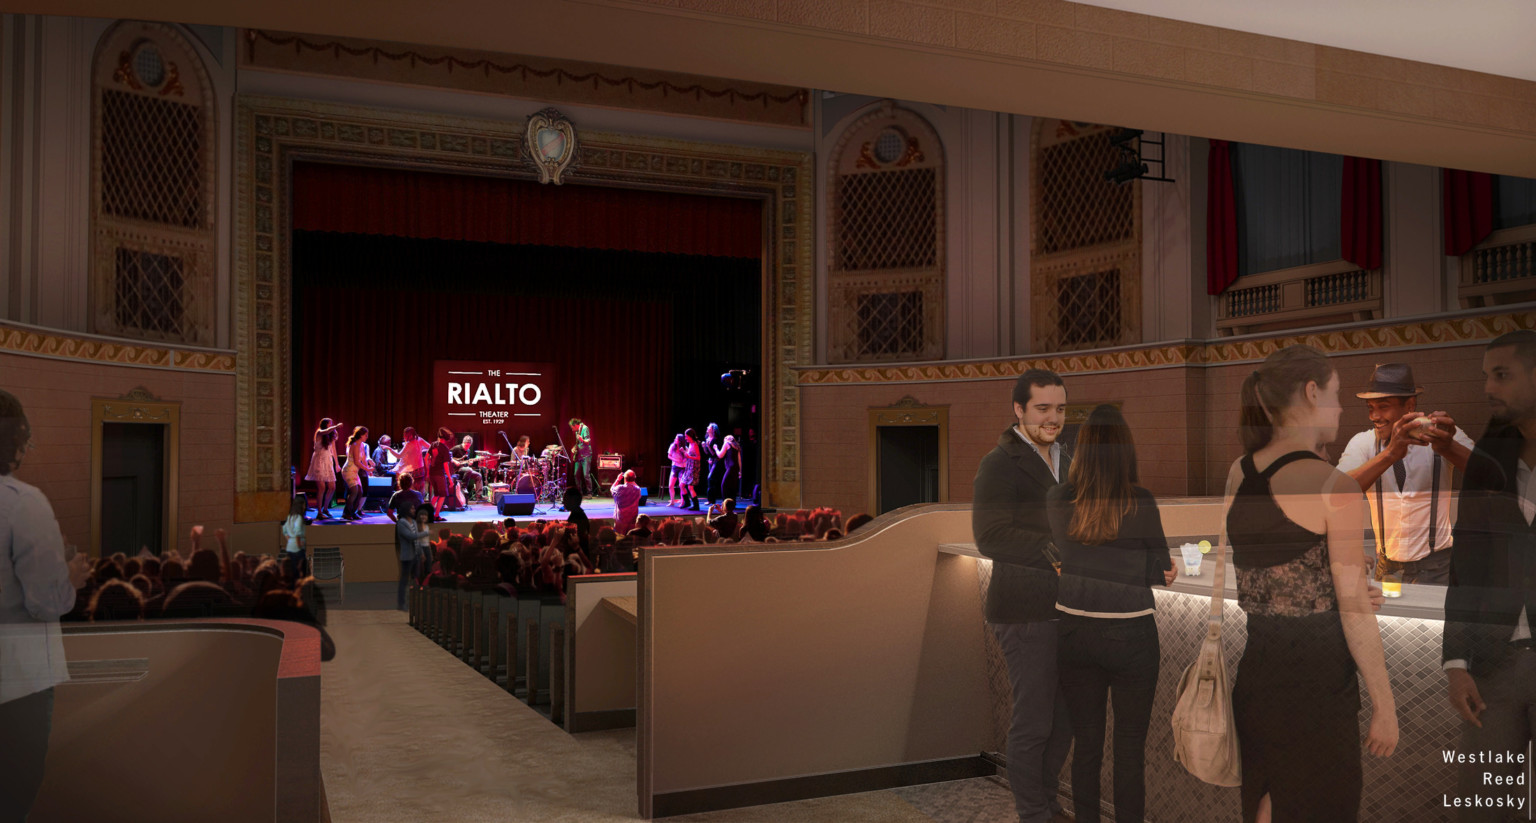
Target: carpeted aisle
point(408, 733)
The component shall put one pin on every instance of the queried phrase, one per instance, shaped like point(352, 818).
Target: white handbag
point(1204, 729)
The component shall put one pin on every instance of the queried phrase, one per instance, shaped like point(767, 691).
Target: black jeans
point(27, 722)
point(1040, 733)
point(407, 577)
point(1116, 659)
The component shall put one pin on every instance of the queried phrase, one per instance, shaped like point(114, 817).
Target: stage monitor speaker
point(645, 495)
point(515, 504)
point(378, 490)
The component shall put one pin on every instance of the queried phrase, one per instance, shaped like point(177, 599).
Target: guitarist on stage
point(581, 453)
point(463, 456)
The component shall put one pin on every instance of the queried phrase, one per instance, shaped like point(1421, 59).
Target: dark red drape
point(423, 205)
point(1466, 203)
point(370, 356)
point(1361, 229)
point(1220, 220)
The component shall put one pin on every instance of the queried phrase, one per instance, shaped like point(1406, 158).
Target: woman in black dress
point(1296, 531)
point(729, 455)
point(1113, 551)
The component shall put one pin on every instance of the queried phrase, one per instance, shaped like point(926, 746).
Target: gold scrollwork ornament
point(551, 144)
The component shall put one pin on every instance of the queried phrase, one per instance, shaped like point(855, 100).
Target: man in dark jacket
point(1489, 656)
point(1010, 524)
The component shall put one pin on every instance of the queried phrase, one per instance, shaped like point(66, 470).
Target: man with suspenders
point(1403, 464)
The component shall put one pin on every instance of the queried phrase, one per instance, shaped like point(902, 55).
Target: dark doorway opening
point(909, 466)
point(132, 487)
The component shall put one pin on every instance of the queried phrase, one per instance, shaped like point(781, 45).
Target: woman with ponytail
point(1113, 551)
point(1295, 526)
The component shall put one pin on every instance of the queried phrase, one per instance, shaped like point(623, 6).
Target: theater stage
point(600, 508)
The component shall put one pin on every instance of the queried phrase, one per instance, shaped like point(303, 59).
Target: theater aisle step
point(409, 733)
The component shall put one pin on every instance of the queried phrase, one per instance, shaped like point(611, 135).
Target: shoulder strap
point(1434, 500)
point(1218, 598)
point(1285, 460)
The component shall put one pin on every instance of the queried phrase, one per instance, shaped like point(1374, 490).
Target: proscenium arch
point(272, 134)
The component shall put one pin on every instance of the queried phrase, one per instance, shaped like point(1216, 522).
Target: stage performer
point(323, 466)
point(678, 454)
point(413, 458)
point(439, 464)
point(356, 472)
point(520, 451)
point(464, 456)
point(710, 447)
point(385, 458)
point(581, 452)
point(626, 501)
point(729, 455)
point(691, 479)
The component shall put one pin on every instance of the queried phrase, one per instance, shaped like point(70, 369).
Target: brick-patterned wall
point(1085, 36)
point(57, 397)
point(1184, 419)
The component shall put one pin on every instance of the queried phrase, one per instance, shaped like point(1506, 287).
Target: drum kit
point(543, 476)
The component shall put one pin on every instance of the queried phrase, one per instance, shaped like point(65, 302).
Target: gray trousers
point(1041, 732)
point(1508, 723)
point(25, 725)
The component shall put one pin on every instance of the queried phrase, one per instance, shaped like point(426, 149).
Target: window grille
point(149, 291)
point(890, 324)
point(151, 159)
point(153, 257)
point(1085, 268)
point(886, 239)
point(887, 221)
point(1078, 207)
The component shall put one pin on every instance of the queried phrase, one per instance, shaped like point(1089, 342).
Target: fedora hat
point(1390, 380)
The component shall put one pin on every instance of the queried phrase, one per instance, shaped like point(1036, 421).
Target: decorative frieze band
point(1437, 332)
point(61, 345)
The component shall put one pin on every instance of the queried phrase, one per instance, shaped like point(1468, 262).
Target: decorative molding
point(62, 345)
point(530, 78)
point(546, 129)
point(271, 134)
point(1446, 331)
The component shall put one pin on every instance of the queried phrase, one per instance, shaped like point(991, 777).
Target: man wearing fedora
point(1403, 464)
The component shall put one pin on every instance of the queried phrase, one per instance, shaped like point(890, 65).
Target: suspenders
point(1434, 508)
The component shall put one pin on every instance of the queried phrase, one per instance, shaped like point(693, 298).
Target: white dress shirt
point(1406, 510)
point(1055, 450)
point(34, 592)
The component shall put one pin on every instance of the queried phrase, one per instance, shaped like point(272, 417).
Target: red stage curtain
point(1466, 202)
point(1220, 220)
point(370, 354)
point(1361, 230)
point(423, 205)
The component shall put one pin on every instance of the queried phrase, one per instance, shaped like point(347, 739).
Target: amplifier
point(610, 461)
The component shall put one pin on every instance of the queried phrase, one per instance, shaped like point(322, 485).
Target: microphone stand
point(563, 455)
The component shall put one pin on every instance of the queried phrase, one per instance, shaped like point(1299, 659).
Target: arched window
point(886, 233)
point(1085, 261)
point(152, 186)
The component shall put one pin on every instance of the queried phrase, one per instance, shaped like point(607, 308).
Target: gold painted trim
point(138, 406)
point(60, 345)
point(907, 412)
point(1445, 331)
point(272, 133)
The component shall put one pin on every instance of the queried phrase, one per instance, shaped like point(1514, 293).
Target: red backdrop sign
point(484, 397)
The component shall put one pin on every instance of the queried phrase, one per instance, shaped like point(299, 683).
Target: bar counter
point(1412, 785)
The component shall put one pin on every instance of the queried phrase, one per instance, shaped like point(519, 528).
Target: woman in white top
point(293, 534)
point(678, 454)
point(359, 466)
point(323, 466)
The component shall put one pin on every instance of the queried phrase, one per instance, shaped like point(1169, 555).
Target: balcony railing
point(1302, 296)
point(1501, 270)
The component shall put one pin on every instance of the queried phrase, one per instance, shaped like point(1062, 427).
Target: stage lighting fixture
point(1127, 171)
point(1123, 136)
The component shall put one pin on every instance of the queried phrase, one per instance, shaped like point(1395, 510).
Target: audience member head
point(629, 477)
point(142, 582)
point(15, 432)
point(198, 595)
point(858, 520)
point(478, 530)
point(276, 604)
point(117, 600)
point(1294, 386)
point(406, 482)
point(298, 505)
point(107, 570)
point(510, 523)
point(729, 505)
point(150, 566)
point(834, 534)
point(172, 572)
point(448, 561)
point(204, 566)
point(643, 521)
point(1509, 377)
point(572, 499)
point(1102, 475)
point(606, 536)
point(755, 524)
